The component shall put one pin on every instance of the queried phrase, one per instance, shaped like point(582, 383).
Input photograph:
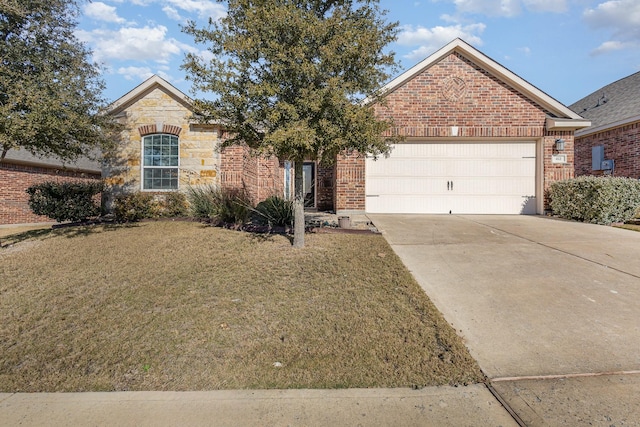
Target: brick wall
point(260, 177)
point(325, 188)
point(350, 182)
point(621, 144)
point(15, 179)
point(456, 92)
point(263, 177)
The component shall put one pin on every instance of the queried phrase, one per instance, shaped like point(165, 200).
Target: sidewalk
point(433, 406)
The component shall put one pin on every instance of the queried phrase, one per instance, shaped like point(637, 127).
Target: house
point(164, 149)
point(611, 145)
point(20, 169)
point(478, 139)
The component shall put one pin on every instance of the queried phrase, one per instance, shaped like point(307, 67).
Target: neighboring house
point(20, 170)
point(479, 139)
point(611, 146)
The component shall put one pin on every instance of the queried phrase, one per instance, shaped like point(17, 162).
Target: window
point(160, 162)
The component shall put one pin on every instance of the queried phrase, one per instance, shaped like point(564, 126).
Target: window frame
point(144, 167)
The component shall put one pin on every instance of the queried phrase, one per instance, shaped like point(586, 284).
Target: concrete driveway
point(550, 309)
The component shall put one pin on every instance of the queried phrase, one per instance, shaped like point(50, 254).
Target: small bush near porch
point(181, 306)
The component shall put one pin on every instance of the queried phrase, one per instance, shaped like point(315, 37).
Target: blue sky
point(567, 48)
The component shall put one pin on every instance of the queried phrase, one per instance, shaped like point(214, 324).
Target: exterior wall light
point(559, 144)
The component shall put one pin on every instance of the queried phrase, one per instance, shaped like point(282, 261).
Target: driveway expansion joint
point(564, 376)
point(555, 249)
point(505, 405)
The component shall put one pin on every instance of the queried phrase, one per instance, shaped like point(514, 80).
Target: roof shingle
point(615, 102)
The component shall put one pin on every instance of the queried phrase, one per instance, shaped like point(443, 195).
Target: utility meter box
point(597, 156)
point(607, 165)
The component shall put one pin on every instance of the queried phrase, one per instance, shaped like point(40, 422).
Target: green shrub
point(65, 201)
point(599, 200)
point(174, 204)
point(135, 206)
point(274, 212)
point(202, 201)
point(223, 205)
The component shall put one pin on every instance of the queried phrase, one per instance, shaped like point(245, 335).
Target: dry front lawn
point(182, 306)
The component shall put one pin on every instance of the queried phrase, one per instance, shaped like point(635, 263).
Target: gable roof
point(612, 105)
point(561, 117)
point(145, 87)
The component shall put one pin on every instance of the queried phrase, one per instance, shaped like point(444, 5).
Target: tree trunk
point(298, 205)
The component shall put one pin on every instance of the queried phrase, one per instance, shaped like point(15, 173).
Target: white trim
point(488, 64)
point(142, 166)
point(553, 123)
point(608, 126)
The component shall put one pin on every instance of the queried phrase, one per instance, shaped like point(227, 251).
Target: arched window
point(160, 162)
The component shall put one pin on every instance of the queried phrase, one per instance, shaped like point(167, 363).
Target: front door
point(309, 187)
point(308, 183)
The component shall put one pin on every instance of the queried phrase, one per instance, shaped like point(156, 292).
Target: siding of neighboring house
point(614, 111)
point(621, 144)
point(456, 92)
point(15, 178)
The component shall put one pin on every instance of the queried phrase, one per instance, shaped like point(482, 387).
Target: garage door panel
point(465, 177)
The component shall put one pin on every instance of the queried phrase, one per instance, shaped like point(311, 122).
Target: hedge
point(65, 201)
point(598, 200)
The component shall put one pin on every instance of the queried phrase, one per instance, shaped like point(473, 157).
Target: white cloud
point(508, 8)
point(555, 6)
point(431, 39)
point(449, 18)
point(489, 7)
point(622, 18)
point(134, 73)
point(142, 73)
point(526, 50)
point(204, 8)
point(130, 43)
point(609, 46)
point(172, 13)
point(103, 12)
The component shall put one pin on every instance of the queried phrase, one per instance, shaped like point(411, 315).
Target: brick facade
point(621, 144)
point(455, 92)
point(325, 187)
point(263, 177)
point(258, 176)
point(16, 178)
point(350, 182)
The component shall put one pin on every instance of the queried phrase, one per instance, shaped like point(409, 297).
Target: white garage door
point(464, 178)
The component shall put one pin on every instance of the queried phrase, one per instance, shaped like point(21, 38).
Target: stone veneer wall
point(456, 92)
point(159, 112)
point(621, 144)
